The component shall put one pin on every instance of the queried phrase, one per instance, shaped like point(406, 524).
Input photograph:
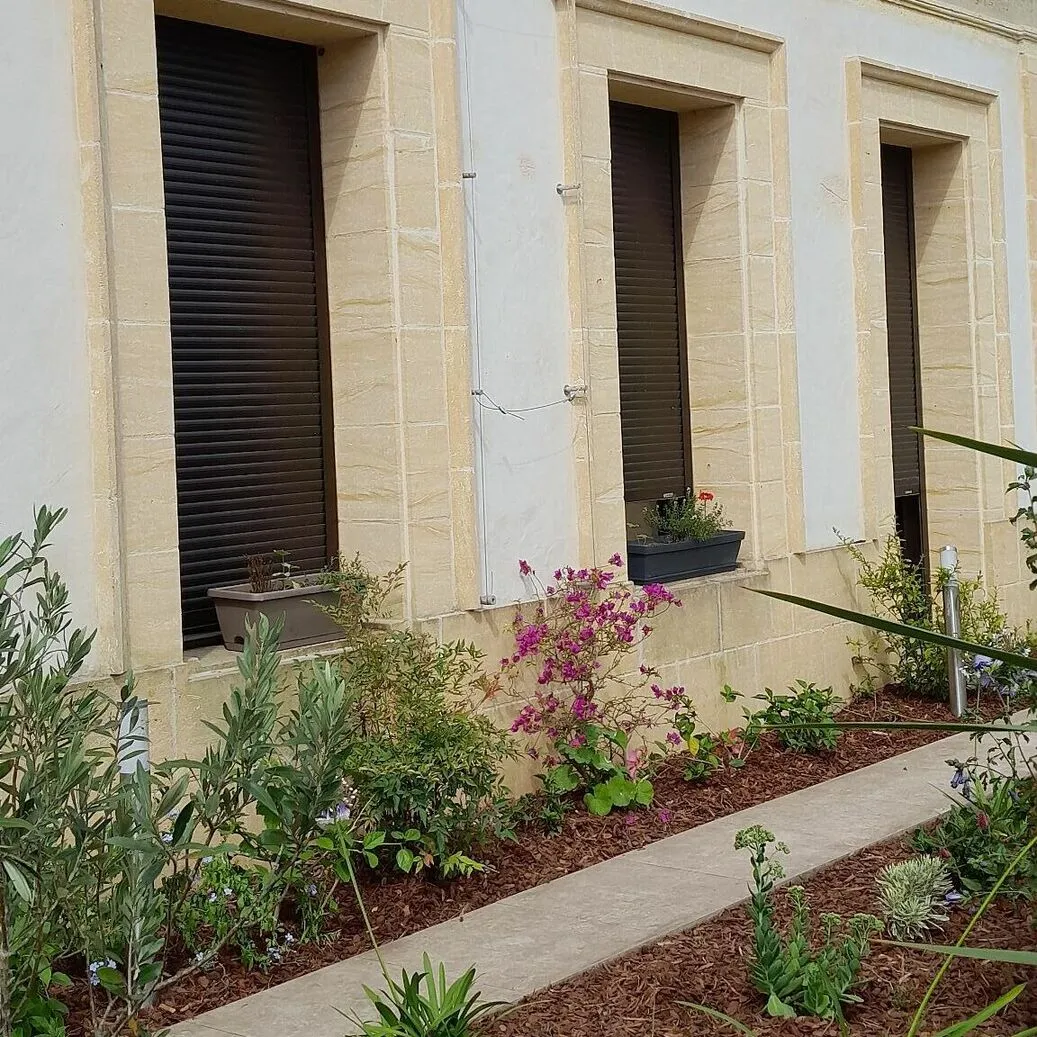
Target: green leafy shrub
point(425, 1004)
point(802, 719)
point(796, 978)
point(425, 764)
point(912, 896)
point(900, 591)
point(687, 518)
point(224, 895)
point(979, 838)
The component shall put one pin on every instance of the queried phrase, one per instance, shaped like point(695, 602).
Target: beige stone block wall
point(396, 284)
point(729, 89)
point(954, 134)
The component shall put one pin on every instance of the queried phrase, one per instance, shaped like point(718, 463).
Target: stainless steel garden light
point(952, 628)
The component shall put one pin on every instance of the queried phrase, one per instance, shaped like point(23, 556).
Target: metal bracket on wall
point(564, 189)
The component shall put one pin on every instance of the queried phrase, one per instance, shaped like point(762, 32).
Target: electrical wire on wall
point(571, 193)
point(486, 595)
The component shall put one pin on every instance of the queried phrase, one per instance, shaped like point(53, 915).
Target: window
point(905, 392)
point(246, 289)
point(653, 381)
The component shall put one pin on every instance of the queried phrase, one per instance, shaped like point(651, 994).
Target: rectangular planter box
point(303, 623)
point(662, 561)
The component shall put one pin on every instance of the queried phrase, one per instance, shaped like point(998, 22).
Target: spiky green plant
point(911, 894)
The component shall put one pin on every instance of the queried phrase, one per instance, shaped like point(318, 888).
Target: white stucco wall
point(515, 294)
point(44, 381)
point(511, 121)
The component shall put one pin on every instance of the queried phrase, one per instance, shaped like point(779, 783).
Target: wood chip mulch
point(399, 905)
point(638, 995)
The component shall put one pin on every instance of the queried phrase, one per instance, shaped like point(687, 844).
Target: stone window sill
point(743, 574)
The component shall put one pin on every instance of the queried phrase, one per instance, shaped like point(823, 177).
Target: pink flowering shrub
point(577, 642)
point(589, 701)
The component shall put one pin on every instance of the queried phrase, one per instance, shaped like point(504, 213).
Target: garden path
point(545, 935)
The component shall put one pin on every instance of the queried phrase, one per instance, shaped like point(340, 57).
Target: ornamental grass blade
point(719, 1017)
point(953, 726)
point(982, 953)
point(1027, 458)
point(889, 626)
point(971, 1024)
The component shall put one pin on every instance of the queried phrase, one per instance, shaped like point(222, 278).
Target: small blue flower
point(212, 898)
point(958, 779)
point(311, 889)
point(93, 968)
point(167, 837)
point(206, 860)
point(953, 897)
point(982, 662)
point(227, 891)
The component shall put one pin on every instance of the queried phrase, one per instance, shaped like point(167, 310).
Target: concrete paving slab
point(545, 935)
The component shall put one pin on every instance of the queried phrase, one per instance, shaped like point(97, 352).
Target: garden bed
point(637, 995)
point(400, 905)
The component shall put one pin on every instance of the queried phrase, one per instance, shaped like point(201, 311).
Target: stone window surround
point(954, 132)
point(391, 157)
point(730, 89)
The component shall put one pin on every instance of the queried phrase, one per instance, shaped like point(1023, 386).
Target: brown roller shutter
point(247, 306)
point(905, 402)
point(653, 384)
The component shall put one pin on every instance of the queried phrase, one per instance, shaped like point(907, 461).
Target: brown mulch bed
point(399, 905)
point(637, 995)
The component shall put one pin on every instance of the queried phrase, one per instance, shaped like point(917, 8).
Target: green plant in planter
point(687, 518)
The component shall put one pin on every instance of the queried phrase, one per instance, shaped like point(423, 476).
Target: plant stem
point(5, 965)
point(363, 914)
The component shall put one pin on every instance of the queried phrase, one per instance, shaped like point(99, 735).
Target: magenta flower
point(673, 738)
point(524, 567)
point(665, 816)
point(630, 819)
point(616, 559)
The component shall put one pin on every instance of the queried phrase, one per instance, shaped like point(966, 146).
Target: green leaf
point(1010, 453)
point(982, 953)
point(183, 819)
point(643, 793)
point(777, 1008)
point(404, 860)
point(563, 779)
point(970, 1024)
point(598, 802)
point(618, 789)
point(111, 980)
point(720, 1017)
point(888, 626)
point(373, 840)
point(19, 881)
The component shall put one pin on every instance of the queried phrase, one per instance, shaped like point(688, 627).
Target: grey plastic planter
point(303, 623)
point(662, 561)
